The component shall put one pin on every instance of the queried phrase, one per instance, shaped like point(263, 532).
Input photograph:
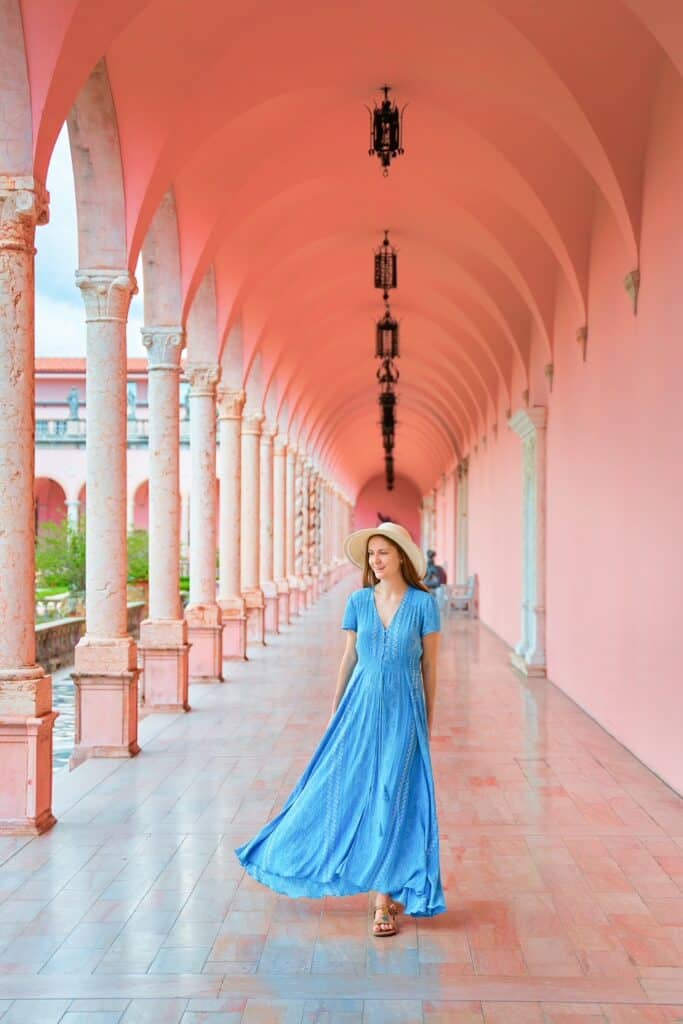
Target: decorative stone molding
point(252, 421)
point(24, 203)
point(106, 294)
point(280, 444)
point(164, 346)
point(203, 379)
point(230, 403)
point(632, 286)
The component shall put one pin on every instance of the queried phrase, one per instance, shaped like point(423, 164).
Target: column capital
point(106, 294)
point(280, 444)
point(203, 378)
point(268, 432)
point(252, 420)
point(526, 421)
point(164, 346)
point(24, 203)
point(230, 403)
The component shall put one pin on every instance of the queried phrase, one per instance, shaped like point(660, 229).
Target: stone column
point(105, 669)
point(291, 527)
point(203, 615)
point(230, 406)
point(251, 590)
point(26, 715)
point(314, 532)
point(280, 527)
point(305, 574)
point(184, 524)
point(462, 528)
point(73, 513)
point(268, 587)
point(428, 514)
point(163, 635)
point(529, 656)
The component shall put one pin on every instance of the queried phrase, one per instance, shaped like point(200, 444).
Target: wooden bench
point(464, 597)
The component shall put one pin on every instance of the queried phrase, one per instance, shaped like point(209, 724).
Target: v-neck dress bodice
point(362, 817)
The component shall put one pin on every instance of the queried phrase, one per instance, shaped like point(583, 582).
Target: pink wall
point(402, 505)
point(615, 486)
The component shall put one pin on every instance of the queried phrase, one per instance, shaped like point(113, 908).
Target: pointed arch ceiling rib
point(249, 135)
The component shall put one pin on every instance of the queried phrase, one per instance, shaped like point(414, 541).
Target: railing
point(56, 640)
point(73, 432)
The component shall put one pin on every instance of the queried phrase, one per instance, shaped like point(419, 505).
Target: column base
point(307, 591)
point(315, 585)
point(526, 668)
point(164, 649)
point(106, 684)
point(234, 628)
point(26, 724)
point(271, 619)
point(282, 601)
point(204, 632)
point(254, 603)
point(293, 584)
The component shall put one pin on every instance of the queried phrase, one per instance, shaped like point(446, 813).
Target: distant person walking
point(362, 817)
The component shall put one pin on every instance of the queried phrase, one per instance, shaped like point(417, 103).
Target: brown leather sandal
point(385, 924)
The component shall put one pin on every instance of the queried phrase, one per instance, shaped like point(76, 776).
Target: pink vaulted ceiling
point(517, 125)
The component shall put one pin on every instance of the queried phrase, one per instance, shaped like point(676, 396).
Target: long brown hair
point(408, 570)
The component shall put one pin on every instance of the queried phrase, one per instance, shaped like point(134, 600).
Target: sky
point(60, 323)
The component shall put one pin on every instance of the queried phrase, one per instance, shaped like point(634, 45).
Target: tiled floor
point(562, 858)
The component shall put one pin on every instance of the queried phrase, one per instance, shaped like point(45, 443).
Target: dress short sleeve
point(350, 620)
point(431, 617)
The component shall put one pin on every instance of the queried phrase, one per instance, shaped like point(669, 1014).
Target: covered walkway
point(562, 858)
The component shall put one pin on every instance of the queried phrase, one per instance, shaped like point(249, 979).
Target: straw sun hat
point(356, 545)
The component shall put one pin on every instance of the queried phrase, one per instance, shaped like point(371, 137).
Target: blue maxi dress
point(362, 817)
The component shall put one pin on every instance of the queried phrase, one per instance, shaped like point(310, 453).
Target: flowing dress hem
point(313, 888)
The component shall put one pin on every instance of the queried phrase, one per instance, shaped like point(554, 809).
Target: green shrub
point(138, 555)
point(60, 556)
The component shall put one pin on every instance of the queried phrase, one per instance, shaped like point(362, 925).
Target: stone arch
point(140, 510)
point(161, 267)
point(402, 505)
point(50, 502)
point(16, 134)
point(98, 175)
point(202, 323)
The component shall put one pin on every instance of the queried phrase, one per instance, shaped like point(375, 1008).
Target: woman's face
point(384, 557)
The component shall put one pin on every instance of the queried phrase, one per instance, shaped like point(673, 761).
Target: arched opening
point(375, 504)
point(141, 507)
point(50, 502)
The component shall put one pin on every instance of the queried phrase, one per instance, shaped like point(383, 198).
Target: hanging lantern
point(386, 337)
point(389, 471)
point(386, 267)
point(386, 130)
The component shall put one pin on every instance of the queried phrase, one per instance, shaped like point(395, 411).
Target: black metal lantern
point(386, 267)
point(386, 130)
point(386, 337)
point(389, 471)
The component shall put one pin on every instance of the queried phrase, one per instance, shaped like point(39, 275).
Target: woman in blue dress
point(362, 817)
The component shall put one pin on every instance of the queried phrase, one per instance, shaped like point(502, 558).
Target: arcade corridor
point(562, 860)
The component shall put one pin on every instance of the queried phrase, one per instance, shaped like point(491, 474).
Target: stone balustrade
point(56, 640)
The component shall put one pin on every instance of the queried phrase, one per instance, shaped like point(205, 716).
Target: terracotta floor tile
point(562, 858)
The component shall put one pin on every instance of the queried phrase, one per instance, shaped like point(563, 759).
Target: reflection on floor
point(562, 858)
